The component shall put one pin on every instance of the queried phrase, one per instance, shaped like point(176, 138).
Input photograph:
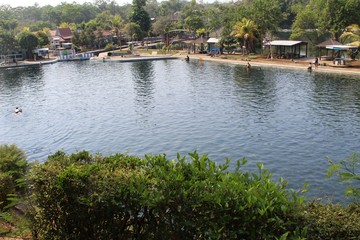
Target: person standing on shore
point(316, 63)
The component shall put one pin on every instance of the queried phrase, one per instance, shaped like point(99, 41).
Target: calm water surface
point(288, 120)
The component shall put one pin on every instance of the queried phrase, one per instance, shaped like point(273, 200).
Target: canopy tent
point(212, 47)
point(340, 47)
point(288, 48)
point(213, 40)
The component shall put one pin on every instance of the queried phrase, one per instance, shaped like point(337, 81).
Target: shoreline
point(301, 64)
point(297, 64)
point(28, 63)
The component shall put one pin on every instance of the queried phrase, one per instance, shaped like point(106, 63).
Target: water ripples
point(289, 120)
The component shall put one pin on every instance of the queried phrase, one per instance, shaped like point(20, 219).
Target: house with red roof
point(61, 38)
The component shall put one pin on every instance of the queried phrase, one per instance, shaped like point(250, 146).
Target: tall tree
point(266, 14)
point(139, 16)
point(328, 16)
point(305, 25)
point(246, 30)
point(7, 41)
point(28, 41)
point(193, 16)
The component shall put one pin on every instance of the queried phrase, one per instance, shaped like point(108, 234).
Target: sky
point(26, 3)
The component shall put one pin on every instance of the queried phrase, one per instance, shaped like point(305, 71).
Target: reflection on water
point(143, 77)
point(15, 78)
point(289, 120)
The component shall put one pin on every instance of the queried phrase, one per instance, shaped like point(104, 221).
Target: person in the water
point(248, 66)
point(18, 110)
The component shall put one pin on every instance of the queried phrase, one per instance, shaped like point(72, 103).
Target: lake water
point(288, 120)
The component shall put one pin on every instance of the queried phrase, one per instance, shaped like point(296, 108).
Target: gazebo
point(201, 40)
point(288, 48)
point(324, 45)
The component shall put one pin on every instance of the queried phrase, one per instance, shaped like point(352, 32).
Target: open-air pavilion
point(326, 45)
point(199, 41)
point(339, 53)
point(289, 49)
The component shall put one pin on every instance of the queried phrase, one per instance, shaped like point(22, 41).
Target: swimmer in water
point(248, 66)
point(18, 110)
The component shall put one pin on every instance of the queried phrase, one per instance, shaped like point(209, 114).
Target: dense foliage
point(13, 167)
point(348, 171)
point(309, 20)
point(85, 196)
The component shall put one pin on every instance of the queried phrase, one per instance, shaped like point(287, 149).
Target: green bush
point(347, 171)
point(330, 221)
point(85, 196)
point(13, 167)
point(109, 47)
point(6, 187)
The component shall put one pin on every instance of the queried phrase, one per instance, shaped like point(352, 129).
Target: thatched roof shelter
point(199, 41)
point(327, 43)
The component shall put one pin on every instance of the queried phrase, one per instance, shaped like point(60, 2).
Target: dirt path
point(280, 63)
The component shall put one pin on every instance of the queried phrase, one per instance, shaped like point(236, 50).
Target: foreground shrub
point(347, 171)
point(329, 221)
point(13, 167)
point(85, 196)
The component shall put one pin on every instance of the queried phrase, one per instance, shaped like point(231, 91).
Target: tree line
point(246, 22)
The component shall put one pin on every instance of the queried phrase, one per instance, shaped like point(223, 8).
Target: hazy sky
point(26, 3)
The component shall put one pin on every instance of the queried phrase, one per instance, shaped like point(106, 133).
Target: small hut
point(289, 49)
point(212, 42)
point(323, 46)
point(200, 41)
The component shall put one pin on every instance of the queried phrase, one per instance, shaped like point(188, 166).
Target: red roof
point(64, 33)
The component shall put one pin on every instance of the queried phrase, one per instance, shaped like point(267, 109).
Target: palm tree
point(246, 30)
point(351, 35)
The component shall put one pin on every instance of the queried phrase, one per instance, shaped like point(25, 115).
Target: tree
point(193, 16)
point(7, 41)
point(351, 34)
point(305, 25)
point(194, 22)
point(133, 30)
point(266, 14)
point(140, 17)
point(246, 30)
point(28, 41)
point(116, 25)
point(328, 16)
point(43, 38)
point(41, 25)
point(162, 25)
